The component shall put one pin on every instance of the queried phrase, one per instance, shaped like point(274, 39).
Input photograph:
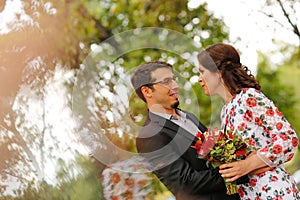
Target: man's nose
point(174, 84)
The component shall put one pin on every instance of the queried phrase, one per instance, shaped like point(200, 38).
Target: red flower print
point(265, 149)
point(251, 102)
point(231, 113)
point(271, 158)
point(274, 138)
point(267, 131)
point(257, 198)
point(114, 198)
point(277, 149)
point(128, 194)
point(241, 192)
point(252, 142)
point(248, 116)
point(278, 198)
point(129, 182)
point(284, 136)
point(242, 126)
point(290, 157)
point(289, 191)
point(279, 126)
point(226, 120)
point(258, 121)
point(270, 113)
point(295, 189)
point(252, 182)
point(264, 188)
point(294, 141)
point(278, 112)
point(115, 178)
point(274, 178)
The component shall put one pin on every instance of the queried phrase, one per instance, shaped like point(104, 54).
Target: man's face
point(165, 90)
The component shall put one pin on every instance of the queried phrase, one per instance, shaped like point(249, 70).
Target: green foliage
point(281, 85)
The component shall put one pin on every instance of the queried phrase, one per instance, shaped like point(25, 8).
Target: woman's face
point(210, 81)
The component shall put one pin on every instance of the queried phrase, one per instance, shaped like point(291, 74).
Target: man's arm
point(175, 172)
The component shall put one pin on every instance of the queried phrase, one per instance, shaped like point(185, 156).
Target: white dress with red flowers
point(252, 115)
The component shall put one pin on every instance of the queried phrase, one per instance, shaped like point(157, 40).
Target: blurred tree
point(288, 11)
point(281, 85)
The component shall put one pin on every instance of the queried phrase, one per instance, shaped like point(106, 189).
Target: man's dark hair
point(142, 75)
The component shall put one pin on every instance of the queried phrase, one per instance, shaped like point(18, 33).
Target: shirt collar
point(170, 117)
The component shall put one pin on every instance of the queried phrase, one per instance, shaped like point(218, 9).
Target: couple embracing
point(167, 137)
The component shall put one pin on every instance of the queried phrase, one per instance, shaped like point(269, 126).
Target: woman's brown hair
point(225, 59)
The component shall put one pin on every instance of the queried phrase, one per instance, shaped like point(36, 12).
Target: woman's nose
point(200, 79)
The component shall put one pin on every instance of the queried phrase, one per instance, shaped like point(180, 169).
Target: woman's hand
point(252, 164)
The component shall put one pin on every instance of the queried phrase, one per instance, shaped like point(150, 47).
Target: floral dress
point(252, 115)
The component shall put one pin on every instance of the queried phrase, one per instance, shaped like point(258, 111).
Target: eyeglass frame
point(166, 81)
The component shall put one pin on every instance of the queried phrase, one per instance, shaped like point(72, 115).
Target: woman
point(251, 114)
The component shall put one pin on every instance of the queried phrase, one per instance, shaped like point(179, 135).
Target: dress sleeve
point(280, 138)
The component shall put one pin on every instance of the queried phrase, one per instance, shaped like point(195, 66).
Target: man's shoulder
point(150, 129)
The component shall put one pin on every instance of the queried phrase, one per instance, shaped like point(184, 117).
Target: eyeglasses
point(166, 81)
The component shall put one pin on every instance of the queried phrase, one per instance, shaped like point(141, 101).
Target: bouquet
point(218, 147)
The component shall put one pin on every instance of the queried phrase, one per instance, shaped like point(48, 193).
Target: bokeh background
point(68, 115)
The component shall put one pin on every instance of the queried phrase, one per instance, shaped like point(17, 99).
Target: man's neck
point(160, 109)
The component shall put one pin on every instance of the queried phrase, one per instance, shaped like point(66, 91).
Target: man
point(167, 137)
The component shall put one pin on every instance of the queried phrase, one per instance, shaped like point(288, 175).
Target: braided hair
point(225, 59)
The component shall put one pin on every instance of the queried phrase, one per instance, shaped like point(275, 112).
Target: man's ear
point(147, 92)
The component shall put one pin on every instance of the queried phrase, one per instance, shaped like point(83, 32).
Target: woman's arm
point(251, 165)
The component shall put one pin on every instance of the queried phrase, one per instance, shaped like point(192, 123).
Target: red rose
point(197, 144)
point(241, 152)
point(279, 126)
point(114, 197)
point(277, 149)
point(294, 141)
point(258, 121)
point(270, 112)
point(251, 102)
point(257, 198)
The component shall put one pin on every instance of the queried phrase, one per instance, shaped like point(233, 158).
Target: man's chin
point(175, 105)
